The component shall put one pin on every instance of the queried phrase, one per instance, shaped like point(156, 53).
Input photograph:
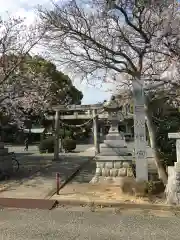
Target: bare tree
point(122, 37)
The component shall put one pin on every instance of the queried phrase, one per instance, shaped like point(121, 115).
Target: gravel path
point(81, 223)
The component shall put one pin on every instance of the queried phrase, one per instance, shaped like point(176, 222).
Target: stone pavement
point(32, 161)
point(40, 184)
point(44, 181)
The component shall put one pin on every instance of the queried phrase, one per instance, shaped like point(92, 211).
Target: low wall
point(5, 160)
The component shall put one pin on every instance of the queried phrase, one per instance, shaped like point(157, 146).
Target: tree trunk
point(152, 135)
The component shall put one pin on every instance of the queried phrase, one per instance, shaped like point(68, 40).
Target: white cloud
point(14, 5)
point(26, 9)
point(21, 8)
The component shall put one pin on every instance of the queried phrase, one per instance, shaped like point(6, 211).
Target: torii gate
point(62, 108)
point(94, 112)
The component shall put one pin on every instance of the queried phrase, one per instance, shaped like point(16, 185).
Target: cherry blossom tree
point(16, 41)
point(37, 87)
point(115, 38)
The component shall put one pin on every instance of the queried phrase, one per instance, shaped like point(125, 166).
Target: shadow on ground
point(22, 154)
point(28, 165)
point(42, 168)
point(86, 174)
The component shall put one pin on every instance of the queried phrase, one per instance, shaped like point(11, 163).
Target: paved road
point(81, 223)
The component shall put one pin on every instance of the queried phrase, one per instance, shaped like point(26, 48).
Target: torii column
point(56, 143)
point(95, 131)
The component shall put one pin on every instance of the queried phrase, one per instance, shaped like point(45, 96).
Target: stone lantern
point(114, 160)
point(114, 117)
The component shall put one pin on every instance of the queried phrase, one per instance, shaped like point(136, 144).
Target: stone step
point(118, 152)
point(114, 137)
point(114, 148)
point(118, 143)
point(113, 158)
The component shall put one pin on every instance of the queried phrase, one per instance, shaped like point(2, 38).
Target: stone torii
point(61, 108)
point(94, 112)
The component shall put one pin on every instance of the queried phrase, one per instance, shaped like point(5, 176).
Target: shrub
point(141, 189)
point(65, 133)
point(69, 144)
point(47, 145)
point(155, 187)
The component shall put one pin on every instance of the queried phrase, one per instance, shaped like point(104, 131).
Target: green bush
point(155, 187)
point(47, 145)
point(65, 133)
point(166, 121)
point(69, 144)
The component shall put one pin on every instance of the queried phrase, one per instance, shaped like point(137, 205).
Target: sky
point(25, 8)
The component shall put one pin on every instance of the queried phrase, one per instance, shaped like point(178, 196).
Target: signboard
point(77, 107)
point(84, 107)
point(139, 108)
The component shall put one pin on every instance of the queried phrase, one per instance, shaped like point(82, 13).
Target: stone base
point(114, 161)
point(173, 185)
point(117, 181)
point(112, 171)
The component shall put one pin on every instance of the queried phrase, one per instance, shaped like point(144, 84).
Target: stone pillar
point(177, 137)
point(173, 184)
point(140, 131)
point(95, 132)
point(178, 149)
point(126, 127)
point(56, 145)
point(102, 132)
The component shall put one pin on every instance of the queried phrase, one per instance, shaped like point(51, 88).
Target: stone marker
point(173, 185)
point(140, 131)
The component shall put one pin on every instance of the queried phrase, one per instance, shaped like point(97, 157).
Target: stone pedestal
point(113, 162)
point(173, 185)
point(5, 159)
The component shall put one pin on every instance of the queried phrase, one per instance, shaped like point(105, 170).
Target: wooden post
point(56, 145)
point(126, 128)
point(95, 132)
point(57, 183)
